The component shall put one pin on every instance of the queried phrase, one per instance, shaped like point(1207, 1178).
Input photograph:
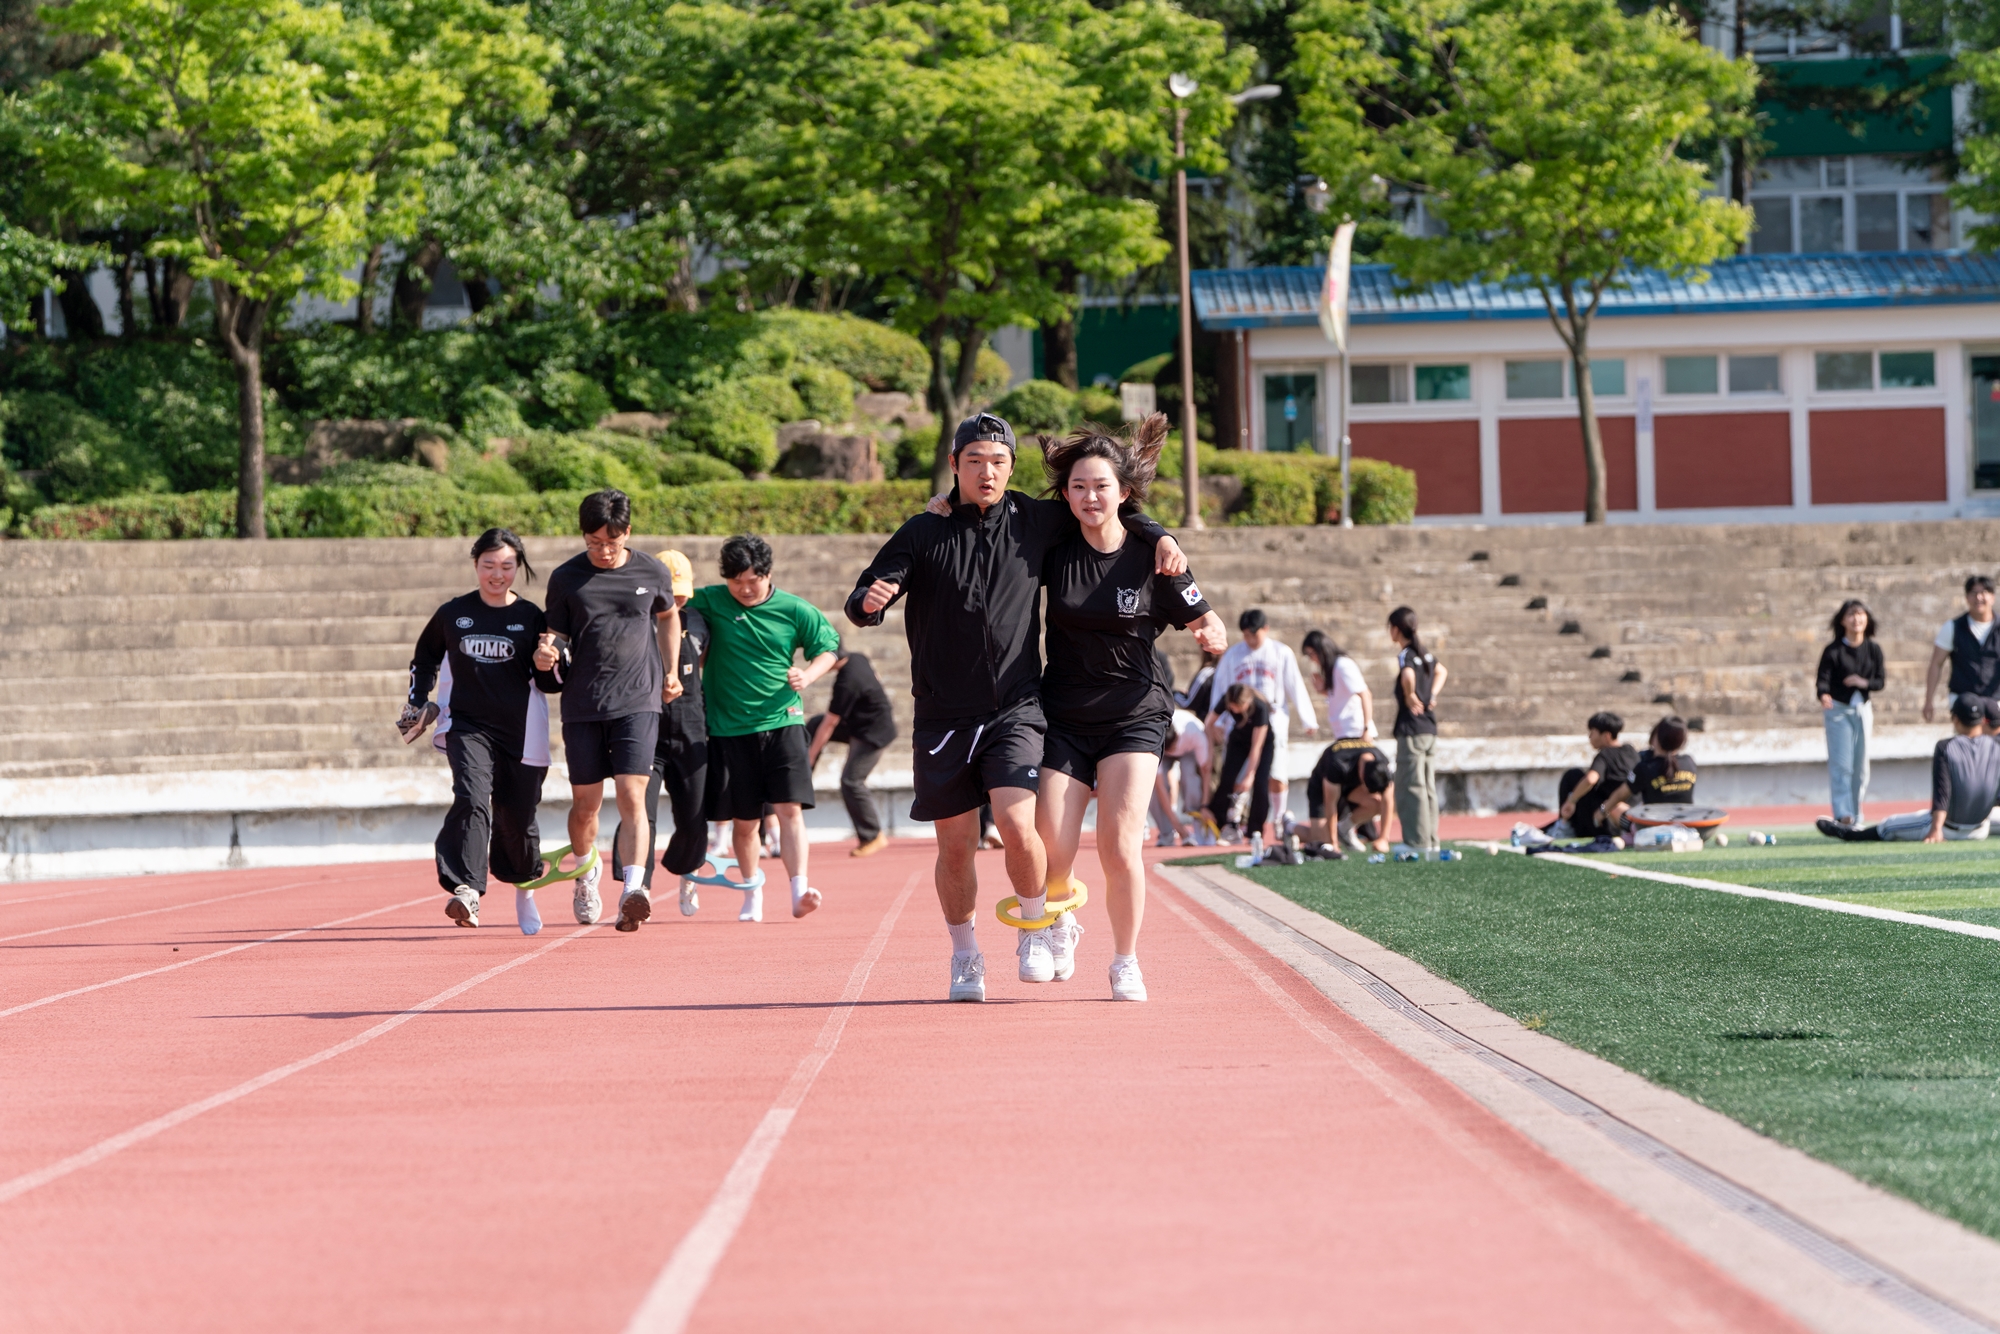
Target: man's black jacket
point(975, 610)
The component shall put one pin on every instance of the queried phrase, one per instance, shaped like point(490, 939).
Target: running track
point(256, 1133)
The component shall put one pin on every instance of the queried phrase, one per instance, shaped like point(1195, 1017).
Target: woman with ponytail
point(1663, 776)
point(1420, 677)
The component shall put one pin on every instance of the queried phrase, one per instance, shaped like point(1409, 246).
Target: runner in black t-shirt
point(859, 715)
point(1108, 702)
point(492, 724)
point(623, 631)
point(1349, 787)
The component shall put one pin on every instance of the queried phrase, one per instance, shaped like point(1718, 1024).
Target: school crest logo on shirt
point(1128, 602)
point(465, 622)
point(1191, 595)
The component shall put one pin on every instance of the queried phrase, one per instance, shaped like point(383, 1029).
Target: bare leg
point(1124, 783)
point(744, 834)
point(1059, 821)
point(791, 818)
point(957, 883)
point(585, 800)
point(635, 836)
point(1014, 817)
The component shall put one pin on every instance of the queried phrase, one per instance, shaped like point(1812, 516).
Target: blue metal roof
point(1271, 298)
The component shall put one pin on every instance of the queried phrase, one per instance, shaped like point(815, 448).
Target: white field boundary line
point(159, 1125)
point(175, 907)
point(1778, 896)
point(212, 954)
point(680, 1285)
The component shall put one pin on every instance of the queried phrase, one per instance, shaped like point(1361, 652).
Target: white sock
point(526, 913)
point(1118, 959)
point(1038, 906)
point(963, 941)
point(634, 875)
point(798, 885)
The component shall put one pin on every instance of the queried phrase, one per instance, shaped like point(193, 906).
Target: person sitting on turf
point(1965, 783)
point(1350, 786)
point(1663, 776)
point(1582, 791)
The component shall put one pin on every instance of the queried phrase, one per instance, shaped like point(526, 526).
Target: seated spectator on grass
point(1663, 775)
point(1965, 783)
point(1582, 791)
point(1966, 642)
point(1348, 795)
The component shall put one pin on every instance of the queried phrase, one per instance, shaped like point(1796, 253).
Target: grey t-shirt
point(1965, 778)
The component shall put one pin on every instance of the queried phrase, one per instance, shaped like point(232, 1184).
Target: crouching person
point(1965, 782)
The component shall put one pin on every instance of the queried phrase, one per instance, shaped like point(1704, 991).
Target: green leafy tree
point(278, 135)
point(1554, 139)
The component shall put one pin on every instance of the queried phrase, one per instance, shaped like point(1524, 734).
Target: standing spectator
point(1968, 641)
point(1272, 670)
point(1850, 670)
point(859, 715)
point(1350, 706)
point(1419, 679)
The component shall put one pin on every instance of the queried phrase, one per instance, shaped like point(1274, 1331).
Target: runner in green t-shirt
point(756, 720)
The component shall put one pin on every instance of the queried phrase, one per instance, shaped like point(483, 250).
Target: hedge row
point(1293, 490)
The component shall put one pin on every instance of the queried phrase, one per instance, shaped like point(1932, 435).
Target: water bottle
point(1257, 847)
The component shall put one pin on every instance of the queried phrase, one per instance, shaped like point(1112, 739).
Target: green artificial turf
point(1872, 1045)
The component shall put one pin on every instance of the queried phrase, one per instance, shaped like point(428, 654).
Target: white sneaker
point(1526, 835)
point(1062, 944)
point(526, 913)
point(1038, 963)
point(584, 897)
point(753, 905)
point(1126, 983)
point(968, 977)
point(690, 899)
point(804, 901)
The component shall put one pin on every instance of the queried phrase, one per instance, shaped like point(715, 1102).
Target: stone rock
point(791, 433)
point(645, 425)
point(824, 456)
point(434, 453)
point(1224, 491)
point(332, 442)
point(883, 407)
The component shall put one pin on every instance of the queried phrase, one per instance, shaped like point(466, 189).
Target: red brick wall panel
point(1863, 456)
point(1722, 460)
point(1444, 456)
point(1541, 464)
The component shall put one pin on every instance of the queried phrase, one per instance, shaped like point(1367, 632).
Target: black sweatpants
point(492, 818)
point(861, 760)
point(680, 765)
point(1233, 760)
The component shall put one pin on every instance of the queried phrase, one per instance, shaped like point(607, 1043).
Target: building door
point(1291, 413)
point(1986, 423)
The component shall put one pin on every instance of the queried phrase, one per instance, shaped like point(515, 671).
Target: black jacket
point(975, 611)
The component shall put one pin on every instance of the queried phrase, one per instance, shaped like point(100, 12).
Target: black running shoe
point(1835, 829)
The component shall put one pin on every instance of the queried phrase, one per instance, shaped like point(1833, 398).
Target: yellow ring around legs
point(1078, 896)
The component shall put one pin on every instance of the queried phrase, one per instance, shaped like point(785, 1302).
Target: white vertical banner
point(1333, 292)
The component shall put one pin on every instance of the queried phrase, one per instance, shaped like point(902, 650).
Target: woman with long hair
point(493, 726)
point(1350, 706)
point(1420, 677)
point(1850, 670)
point(1109, 707)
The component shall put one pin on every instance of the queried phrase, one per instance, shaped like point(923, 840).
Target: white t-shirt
point(1945, 637)
point(1189, 738)
point(1343, 702)
point(1272, 671)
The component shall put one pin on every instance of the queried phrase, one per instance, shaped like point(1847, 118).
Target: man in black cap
point(1965, 785)
point(973, 579)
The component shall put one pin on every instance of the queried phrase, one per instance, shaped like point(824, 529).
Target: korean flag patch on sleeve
point(1191, 594)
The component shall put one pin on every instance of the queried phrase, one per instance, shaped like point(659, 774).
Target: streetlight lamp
point(1183, 87)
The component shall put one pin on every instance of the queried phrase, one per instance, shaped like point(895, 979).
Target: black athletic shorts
point(746, 773)
point(956, 767)
point(1339, 766)
point(1079, 753)
point(606, 747)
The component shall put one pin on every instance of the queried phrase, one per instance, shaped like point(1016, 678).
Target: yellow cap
point(682, 572)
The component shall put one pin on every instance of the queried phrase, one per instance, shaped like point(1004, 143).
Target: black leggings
point(492, 817)
point(1233, 760)
point(680, 765)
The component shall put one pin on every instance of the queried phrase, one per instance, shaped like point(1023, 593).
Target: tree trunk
point(1593, 439)
point(943, 403)
point(239, 322)
point(169, 289)
point(364, 303)
point(128, 313)
point(683, 291)
point(413, 282)
point(79, 307)
point(1059, 340)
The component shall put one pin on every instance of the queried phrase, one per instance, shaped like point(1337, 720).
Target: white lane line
point(159, 1125)
point(212, 954)
point(174, 907)
point(1778, 896)
point(680, 1285)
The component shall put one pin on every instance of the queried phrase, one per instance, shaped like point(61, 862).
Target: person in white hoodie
point(1270, 668)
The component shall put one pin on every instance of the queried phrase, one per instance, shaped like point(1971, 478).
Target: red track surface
point(528, 1153)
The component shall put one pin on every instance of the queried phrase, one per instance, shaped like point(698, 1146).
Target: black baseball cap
point(1993, 713)
point(1252, 619)
point(1970, 709)
point(982, 426)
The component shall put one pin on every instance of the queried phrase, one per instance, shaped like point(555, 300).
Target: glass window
point(1607, 377)
point(1443, 382)
point(1534, 379)
point(1291, 411)
point(1753, 375)
point(1772, 231)
point(1930, 222)
point(1986, 422)
point(1875, 225)
point(1822, 224)
point(1837, 371)
point(1836, 172)
point(1380, 384)
point(1909, 370)
point(1692, 375)
point(1789, 173)
point(1879, 170)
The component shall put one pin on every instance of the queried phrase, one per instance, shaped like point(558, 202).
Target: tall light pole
point(1183, 87)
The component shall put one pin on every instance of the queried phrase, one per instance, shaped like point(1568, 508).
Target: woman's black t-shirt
point(1424, 668)
point(1652, 784)
point(1105, 611)
point(489, 654)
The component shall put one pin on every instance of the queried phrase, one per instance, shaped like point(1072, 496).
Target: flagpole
point(1346, 448)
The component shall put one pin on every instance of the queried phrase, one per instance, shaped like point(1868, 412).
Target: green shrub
point(991, 375)
point(737, 421)
point(1099, 405)
point(80, 455)
point(549, 461)
point(693, 469)
point(1147, 371)
point(483, 475)
point(1039, 405)
point(492, 413)
point(873, 354)
point(571, 399)
point(826, 393)
point(1294, 489)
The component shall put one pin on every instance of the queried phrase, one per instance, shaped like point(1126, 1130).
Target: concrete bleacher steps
point(183, 658)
